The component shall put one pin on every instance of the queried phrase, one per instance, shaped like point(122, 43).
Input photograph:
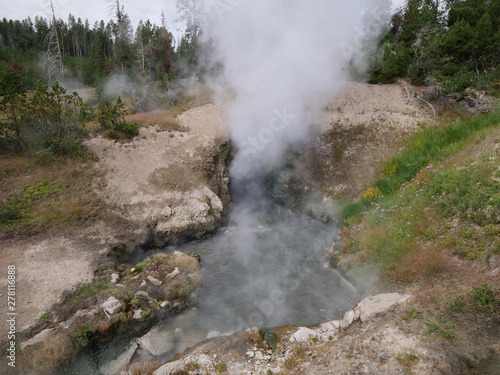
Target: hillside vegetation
point(439, 197)
point(453, 46)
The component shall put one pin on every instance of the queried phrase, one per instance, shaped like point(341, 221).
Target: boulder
point(158, 341)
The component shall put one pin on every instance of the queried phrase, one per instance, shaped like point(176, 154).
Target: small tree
point(12, 98)
point(111, 117)
point(52, 121)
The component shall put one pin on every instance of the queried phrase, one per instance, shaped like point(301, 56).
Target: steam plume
point(285, 59)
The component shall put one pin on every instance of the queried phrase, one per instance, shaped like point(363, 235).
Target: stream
point(266, 268)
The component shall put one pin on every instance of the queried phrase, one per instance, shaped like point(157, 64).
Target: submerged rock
point(116, 366)
point(157, 341)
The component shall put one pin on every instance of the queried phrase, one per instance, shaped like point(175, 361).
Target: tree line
point(452, 45)
point(92, 52)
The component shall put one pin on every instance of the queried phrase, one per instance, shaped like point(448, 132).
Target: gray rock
point(379, 303)
point(173, 274)
point(158, 341)
point(142, 295)
point(116, 366)
point(154, 280)
point(37, 338)
point(111, 305)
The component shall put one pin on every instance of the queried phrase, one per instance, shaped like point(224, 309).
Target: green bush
point(9, 212)
point(130, 129)
point(82, 335)
point(483, 296)
point(111, 117)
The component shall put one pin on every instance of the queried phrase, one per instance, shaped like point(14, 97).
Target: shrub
point(483, 296)
point(130, 129)
point(111, 118)
point(82, 335)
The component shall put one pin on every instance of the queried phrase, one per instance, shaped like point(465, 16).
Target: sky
point(95, 10)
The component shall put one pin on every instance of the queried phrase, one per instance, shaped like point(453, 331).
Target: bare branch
point(408, 92)
point(426, 102)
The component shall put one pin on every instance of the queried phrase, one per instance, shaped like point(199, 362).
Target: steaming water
point(266, 268)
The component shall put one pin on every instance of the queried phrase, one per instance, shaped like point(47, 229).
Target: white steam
point(285, 59)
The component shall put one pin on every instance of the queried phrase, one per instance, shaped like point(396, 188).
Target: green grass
point(445, 331)
point(427, 147)
point(443, 209)
point(36, 196)
point(220, 367)
point(46, 317)
point(470, 193)
point(483, 297)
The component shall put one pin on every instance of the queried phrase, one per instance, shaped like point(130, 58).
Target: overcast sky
point(95, 10)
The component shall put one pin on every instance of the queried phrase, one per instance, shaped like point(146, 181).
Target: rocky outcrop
point(121, 299)
point(288, 349)
point(165, 187)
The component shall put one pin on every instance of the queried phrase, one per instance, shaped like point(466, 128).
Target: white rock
point(349, 318)
point(132, 269)
point(382, 302)
point(143, 284)
point(250, 354)
point(111, 305)
point(164, 303)
point(137, 314)
point(173, 274)
point(204, 360)
point(259, 355)
point(178, 254)
point(114, 278)
point(303, 334)
point(154, 281)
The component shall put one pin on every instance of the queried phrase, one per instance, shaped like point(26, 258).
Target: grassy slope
point(431, 184)
point(39, 196)
point(437, 234)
